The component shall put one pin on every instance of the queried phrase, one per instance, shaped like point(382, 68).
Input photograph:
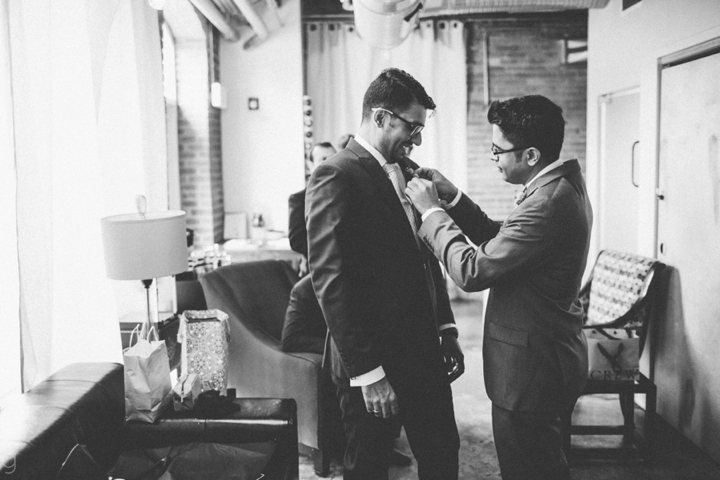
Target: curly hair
point(530, 121)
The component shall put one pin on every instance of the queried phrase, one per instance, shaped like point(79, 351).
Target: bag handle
point(135, 332)
point(153, 330)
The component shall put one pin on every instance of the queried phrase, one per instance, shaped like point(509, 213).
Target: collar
point(548, 168)
point(372, 150)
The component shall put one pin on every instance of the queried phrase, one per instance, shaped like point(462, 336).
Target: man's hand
point(422, 194)
point(380, 399)
point(453, 356)
point(446, 190)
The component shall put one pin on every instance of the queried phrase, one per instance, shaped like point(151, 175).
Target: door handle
point(632, 164)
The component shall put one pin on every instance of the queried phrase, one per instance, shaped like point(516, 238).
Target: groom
point(534, 352)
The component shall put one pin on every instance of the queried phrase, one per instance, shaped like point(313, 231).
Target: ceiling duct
point(437, 8)
point(386, 23)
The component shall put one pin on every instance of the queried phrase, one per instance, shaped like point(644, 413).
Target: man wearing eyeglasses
point(534, 350)
point(394, 348)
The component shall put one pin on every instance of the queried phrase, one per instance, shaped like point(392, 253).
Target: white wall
point(263, 149)
point(624, 49)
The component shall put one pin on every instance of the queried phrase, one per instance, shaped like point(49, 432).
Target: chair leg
point(627, 405)
point(648, 431)
point(321, 462)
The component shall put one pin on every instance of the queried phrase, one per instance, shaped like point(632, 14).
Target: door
point(686, 336)
point(619, 147)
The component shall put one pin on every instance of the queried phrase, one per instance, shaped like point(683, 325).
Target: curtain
point(340, 67)
point(89, 136)
point(9, 305)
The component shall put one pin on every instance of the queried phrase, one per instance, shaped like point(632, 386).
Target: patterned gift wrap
point(205, 337)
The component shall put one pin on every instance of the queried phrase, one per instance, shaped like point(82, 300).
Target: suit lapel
point(384, 187)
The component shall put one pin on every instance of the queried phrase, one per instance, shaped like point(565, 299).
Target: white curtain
point(9, 285)
point(340, 67)
point(89, 136)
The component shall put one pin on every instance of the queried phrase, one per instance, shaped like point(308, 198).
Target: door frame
point(602, 102)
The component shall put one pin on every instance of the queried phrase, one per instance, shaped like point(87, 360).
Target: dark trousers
point(529, 445)
point(429, 420)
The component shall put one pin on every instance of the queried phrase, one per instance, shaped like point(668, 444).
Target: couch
point(255, 295)
point(83, 404)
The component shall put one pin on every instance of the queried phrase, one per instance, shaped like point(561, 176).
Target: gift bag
point(613, 355)
point(186, 392)
point(147, 378)
point(205, 335)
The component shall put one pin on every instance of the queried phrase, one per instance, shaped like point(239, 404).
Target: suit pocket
point(511, 336)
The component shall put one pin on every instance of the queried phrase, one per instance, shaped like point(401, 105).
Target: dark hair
point(395, 89)
point(530, 121)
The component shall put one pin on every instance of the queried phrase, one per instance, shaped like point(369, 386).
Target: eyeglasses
point(415, 128)
point(497, 151)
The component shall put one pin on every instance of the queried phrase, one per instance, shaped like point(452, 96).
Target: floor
point(674, 457)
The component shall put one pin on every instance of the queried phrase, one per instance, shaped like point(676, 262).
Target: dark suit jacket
point(535, 354)
point(297, 233)
point(382, 296)
point(304, 329)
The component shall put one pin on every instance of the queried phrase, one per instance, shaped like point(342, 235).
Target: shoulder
point(297, 197)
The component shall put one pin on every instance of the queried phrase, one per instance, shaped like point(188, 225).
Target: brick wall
point(199, 138)
point(524, 58)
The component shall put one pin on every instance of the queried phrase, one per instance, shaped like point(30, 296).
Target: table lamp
point(144, 246)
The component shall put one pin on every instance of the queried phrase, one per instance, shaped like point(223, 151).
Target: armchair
point(255, 295)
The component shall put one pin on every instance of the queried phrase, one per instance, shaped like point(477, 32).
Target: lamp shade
point(142, 247)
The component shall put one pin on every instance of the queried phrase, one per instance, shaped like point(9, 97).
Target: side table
point(258, 420)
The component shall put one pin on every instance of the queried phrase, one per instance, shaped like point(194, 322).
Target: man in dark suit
point(394, 346)
point(297, 233)
point(535, 353)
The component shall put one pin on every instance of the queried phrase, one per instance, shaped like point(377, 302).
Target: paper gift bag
point(205, 335)
point(147, 378)
point(186, 392)
point(613, 355)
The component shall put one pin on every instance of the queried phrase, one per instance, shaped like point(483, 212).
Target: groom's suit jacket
point(381, 291)
point(534, 350)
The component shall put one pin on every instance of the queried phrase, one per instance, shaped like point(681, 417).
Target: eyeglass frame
point(416, 127)
point(500, 151)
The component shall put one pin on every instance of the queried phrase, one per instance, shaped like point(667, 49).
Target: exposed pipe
point(253, 18)
point(214, 16)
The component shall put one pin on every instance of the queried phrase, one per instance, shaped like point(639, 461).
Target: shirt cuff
point(367, 378)
point(447, 326)
point(430, 211)
point(456, 200)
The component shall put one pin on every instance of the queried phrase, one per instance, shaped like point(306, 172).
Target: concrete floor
point(674, 457)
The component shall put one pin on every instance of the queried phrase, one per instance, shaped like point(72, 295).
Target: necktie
point(393, 175)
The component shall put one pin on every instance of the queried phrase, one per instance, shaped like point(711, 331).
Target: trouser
point(529, 445)
point(428, 417)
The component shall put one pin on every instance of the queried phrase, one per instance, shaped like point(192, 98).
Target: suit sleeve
point(444, 311)
point(520, 244)
point(304, 329)
point(297, 233)
point(334, 266)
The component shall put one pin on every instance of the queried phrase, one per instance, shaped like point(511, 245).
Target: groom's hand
point(380, 399)
point(422, 194)
point(445, 189)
